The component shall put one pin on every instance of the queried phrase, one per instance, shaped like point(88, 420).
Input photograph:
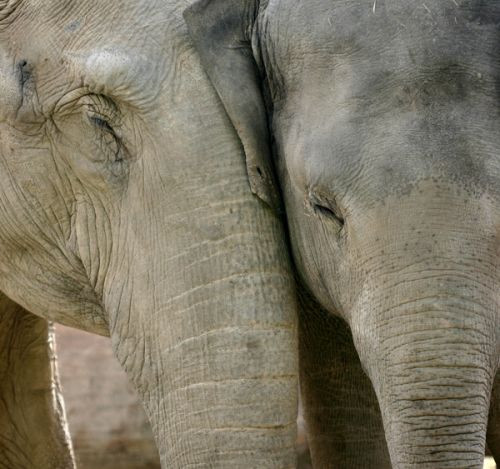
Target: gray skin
point(126, 210)
point(385, 129)
point(385, 124)
point(30, 394)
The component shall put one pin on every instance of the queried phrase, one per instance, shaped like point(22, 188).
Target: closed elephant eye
point(104, 115)
point(109, 140)
point(328, 212)
point(326, 209)
point(102, 124)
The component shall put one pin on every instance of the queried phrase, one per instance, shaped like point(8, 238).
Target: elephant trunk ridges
point(228, 399)
point(207, 333)
point(436, 358)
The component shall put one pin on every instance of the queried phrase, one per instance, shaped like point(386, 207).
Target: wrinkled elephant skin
point(30, 394)
point(386, 136)
point(126, 210)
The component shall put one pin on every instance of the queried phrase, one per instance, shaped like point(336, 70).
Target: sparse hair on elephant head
point(222, 32)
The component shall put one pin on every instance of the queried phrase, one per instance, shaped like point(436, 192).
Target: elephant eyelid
point(101, 124)
point(326, 208)
point(328, 212)
point(101, 111)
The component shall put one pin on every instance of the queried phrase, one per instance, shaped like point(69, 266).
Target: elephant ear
point(221, 33)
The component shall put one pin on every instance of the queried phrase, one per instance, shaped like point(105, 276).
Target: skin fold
point(384, 123)
point(126, 211)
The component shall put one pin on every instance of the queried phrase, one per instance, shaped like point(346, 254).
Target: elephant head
point(385, 124)
point(126, 210)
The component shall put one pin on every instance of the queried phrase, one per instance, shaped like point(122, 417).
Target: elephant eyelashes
point(329, 213)
point(102, 124)
point(326, 209)
point(103, 114)
point(109, 140)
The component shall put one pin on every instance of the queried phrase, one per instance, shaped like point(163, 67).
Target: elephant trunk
point(230, 396)
point(432, 354)
point(206, 326)
point(215, 361)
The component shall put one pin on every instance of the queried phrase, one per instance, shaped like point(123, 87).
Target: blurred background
point(106, 420)
point(107, 423)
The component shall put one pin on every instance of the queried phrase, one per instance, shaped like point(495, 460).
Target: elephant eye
point(328, 212)
point(107, 139)
point(326, 209)
point(101, 124)
point(103, 115)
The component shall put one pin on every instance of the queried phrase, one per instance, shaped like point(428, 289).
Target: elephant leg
point(341, 410)
point(33, 433)
point(493, 433)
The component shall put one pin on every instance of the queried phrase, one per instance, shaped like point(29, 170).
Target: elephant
point(371, 128)
point(382, 125)
point(127, 209)
point(30, 393)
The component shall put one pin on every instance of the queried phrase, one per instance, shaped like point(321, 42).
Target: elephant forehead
point(374, 157)
point(392, 35)
point(126, 48)
point(380, 95)
point(126, 73)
